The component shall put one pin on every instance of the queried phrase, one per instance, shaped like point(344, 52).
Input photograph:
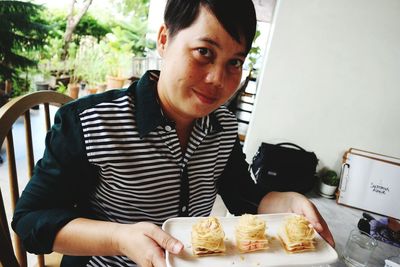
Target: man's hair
point(238, 17)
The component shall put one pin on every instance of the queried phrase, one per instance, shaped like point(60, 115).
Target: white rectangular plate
point(181, 228)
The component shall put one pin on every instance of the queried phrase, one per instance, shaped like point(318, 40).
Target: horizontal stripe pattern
point(140, 177)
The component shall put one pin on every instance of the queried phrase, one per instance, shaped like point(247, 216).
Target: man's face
point(201, 68)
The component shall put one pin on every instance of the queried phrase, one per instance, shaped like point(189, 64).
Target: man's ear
point(162, 39)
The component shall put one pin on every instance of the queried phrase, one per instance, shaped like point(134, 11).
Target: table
point(341, 220)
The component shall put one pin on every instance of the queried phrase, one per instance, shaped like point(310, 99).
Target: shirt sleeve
point(60, 186)
point(236, 187)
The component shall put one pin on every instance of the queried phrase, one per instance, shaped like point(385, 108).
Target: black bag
point(284, 167)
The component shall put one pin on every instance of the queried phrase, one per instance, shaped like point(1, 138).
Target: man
point(118, 164)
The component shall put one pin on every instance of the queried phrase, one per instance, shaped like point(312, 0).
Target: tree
point(139, 8)
point(22, 31)
point(135, 31)
point(73, 19)
point(88, 25)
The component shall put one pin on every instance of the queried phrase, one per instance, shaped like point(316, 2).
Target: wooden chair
point(14, 253)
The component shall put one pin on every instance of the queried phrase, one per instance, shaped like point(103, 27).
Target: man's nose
point(216, 75)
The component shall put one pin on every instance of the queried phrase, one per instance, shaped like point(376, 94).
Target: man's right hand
point(144, 243)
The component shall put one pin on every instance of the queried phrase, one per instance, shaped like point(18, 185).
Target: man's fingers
point(165, 240)
point(319, 224)
point(323, 229)
point(158, 259)
point(328, 237)
point(326, 233)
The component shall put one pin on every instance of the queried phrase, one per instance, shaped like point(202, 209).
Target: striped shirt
point(137, 170)
point(144, 178)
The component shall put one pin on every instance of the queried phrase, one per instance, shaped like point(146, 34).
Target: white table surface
point(341, 220)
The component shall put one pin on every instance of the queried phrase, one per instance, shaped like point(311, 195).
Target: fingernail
point(177, 248)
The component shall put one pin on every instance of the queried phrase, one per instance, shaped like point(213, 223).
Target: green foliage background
point(32, 38)
point(22, 31)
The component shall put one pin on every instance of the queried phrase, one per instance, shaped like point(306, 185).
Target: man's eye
point(237, 63)
point(204, 52)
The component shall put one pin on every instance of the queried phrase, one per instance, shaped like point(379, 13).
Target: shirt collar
point(148, 111)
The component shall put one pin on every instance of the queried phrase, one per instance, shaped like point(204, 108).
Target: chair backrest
point(9, 114)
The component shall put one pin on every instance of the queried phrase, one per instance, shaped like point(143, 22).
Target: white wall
point(331, 79)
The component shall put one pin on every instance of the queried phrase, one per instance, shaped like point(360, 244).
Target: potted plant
point(86, 68)
point(73, 67)
point(73, 89)
point(42, 76)
point(120, 47)
point(329, 181)
point(116, 62)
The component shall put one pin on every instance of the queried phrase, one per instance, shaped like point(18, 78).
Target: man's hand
point(278, 202)
point(144, 243)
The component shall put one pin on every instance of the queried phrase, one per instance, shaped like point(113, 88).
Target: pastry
point(297, 234)
point(250, 234)
point(208, 237)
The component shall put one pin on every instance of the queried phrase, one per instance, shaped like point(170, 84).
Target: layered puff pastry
point(297, 234)
point(250, 234)
point(208, 237)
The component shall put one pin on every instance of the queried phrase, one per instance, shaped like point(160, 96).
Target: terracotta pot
point(73, 90)
point(91, 90)
point(115, 82)
point(101, 88)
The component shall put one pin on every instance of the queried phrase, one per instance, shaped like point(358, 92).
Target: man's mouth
point(206, 99)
